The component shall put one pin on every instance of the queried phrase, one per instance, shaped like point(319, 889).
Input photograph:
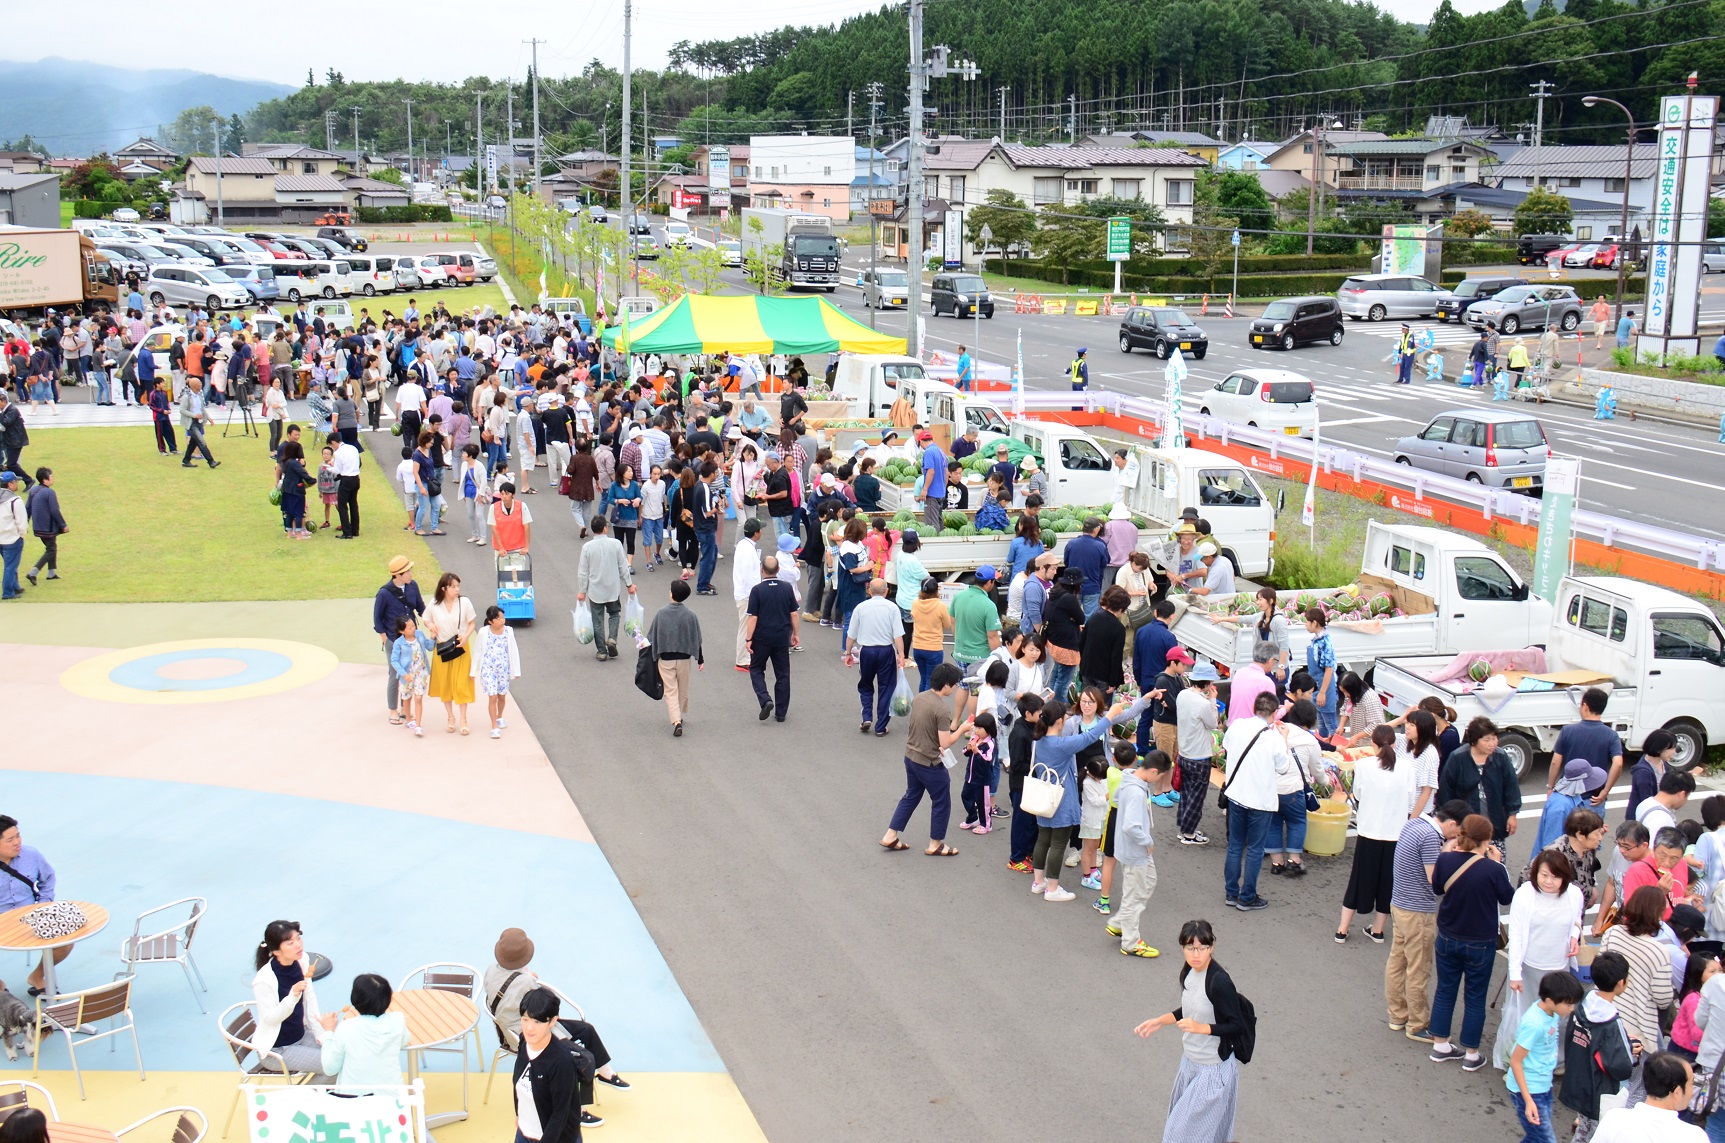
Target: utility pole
point(410, 179)
point(850, 100)
point(216, 132)
point(358, 160)
point(509, 129)
point(921, 71)
point(1001, 91)
point(1072, 118)
point(1540, 91)
point(479, 143)
point(1220, 130)
point(628, 197)
point(1317, 181)
point(536, 161)
point(329, 129)
point(873, 242)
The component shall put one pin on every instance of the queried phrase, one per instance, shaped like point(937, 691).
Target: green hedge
point(413, 212)
point(90, 208)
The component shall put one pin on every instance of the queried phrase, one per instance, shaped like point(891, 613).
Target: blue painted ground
point(375, 890)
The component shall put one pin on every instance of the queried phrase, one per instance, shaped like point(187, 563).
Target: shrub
point(413, 212)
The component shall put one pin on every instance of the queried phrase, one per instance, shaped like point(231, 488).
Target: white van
point(637, 307)
point(869, 381)
point(311, 279)
point(371, 275)
point(337, 313)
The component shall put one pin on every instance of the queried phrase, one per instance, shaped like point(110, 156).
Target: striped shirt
point(1419, 846)
point(1648, 988)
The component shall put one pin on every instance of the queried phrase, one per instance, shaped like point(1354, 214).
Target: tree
point(1211, 244)
point(98, 180)
point(391, 175)
point(1240, 195)
point(1147, 221)
point(235, 136)
point(1063, 240)
point(1010, 223)
point(761, 262)
point(1468, 224)
point(191, 131)
point(1716, 218)
point(1543, 212)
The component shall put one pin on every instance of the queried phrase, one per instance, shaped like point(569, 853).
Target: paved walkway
point(167, 754)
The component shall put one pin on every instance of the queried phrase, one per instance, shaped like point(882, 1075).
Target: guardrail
point(1492, 503)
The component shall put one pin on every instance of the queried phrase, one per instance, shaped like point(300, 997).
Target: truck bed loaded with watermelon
point(1420, 591)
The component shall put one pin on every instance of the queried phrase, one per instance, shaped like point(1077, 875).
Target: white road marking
point(1657, 475)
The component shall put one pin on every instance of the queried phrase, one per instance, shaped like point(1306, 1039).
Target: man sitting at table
point(26, 878)
point(508, 980)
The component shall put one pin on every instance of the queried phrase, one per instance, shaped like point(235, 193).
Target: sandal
point(945, 850)
point(894, 846)
point(437, 532)
point(397, 720)
point(464, 730)
point(450, 729)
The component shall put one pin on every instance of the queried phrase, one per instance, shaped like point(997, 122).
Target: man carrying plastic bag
point(601, 580)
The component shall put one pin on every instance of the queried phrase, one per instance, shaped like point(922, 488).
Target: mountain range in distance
point(73, 107)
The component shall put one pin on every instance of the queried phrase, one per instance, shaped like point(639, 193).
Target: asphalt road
point(859, 994)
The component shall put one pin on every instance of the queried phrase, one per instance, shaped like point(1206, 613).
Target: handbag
point(1139, 613)
point(1222, 798)
point(1041, 797)
point(55, 919)
point(647, 679)
point(450, 649)
point(1312, 803)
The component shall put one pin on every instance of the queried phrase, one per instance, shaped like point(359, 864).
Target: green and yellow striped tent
point(749, 323)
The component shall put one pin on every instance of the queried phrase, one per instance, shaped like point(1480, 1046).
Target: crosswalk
point(1442, 335)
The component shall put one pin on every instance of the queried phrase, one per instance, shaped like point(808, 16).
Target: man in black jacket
point(13, 437)
point(771, 631)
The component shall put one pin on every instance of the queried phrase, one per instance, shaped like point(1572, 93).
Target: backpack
point(1247, 1041)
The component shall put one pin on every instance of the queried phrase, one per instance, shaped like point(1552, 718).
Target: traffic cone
point(1228, 312)
point(1205, 308)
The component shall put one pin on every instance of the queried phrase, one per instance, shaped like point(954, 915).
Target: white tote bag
point(1041, 796)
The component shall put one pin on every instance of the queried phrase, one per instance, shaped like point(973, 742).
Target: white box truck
point(808, 251)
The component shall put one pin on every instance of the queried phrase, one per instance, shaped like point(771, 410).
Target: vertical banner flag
point(1309, 508)
point(1551, 552)
point(1173, 433)
point(1018, 377)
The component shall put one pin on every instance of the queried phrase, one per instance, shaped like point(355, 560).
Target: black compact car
point(1162, 329)
point(346, 237)
point(1453, 304)
point(1295, 321)
point(960, 295)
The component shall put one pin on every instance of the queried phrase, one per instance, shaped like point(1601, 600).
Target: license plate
point(898, 301)
point(1185, 345)
point(1257, 339)
point(1292, 431)
point(1521, 482)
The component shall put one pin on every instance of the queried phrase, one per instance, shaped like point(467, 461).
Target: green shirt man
point(975, 619)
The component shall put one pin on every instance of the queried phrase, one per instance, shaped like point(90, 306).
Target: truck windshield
point(816, 245)
point(1228, 486)
point(907, 371)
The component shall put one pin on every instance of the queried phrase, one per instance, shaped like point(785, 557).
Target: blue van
point(259, 281)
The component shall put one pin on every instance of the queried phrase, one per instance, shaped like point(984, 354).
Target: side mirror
point(1521, 592)
point(1281, 500)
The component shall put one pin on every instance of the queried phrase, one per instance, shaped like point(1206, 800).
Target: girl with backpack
point(1219, 1027)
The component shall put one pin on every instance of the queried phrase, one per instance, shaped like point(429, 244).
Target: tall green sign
point(1119, 238)
point(1551, 554)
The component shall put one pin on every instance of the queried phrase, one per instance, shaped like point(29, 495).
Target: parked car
point(1454, 303)
point(679, 234)
point(425, 268)
point(259, 281)
point(484, 268)
point(1713, 257)
point(646, 249)
point(370, 276)
point(1528, 307)
point(1531, 249)
point(962, 294)
point(1379, 296)
point(126, 214)
point(1582, 255)
point(1605, 258)
point(184, 255)
point(1499, 447)
point(1162, 330)
point(309, 279)
point(885, 287)
point(1276, 399)
point(188, 286)
point(275, 245)
point(136, 252)
point(1291, 321)
point(217, 251)
point(330, 247)
point(349, 238)
point(730, 252)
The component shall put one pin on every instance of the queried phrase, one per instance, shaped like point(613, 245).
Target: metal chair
point(238, 1024)
point(172, 945)
point(69, 1012)
point(186, 1129)
point(509, 1043)
point(11, 1101)
point(463, 980)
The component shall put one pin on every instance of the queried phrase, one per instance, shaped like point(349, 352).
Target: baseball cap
point(8, 477)
point(1688, 917)
point(924, 435)
point(1180, 655)
point(1205, 673)
point(1206, 549)
point(986, 573)
point(752, 526)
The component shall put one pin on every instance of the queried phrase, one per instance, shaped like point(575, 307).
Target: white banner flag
point(1309, 509)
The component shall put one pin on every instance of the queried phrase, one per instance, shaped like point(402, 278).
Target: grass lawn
point(65, 214)
point(145, 530)
point(456, 299)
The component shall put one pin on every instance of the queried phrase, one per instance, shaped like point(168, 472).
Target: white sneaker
point(1037, 887)
point(1072, 859)
point(1058, 894)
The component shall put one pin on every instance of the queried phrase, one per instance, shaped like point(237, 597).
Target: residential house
point(1594, 218)
point(895, 228)
point(1586, 172)
point(873, 181)
point(21, 162)
point(1244, 156)
point(1420, 172)
point(1295, 152)
point(362, 191)
point(360, 162)
point(294, 158)
point(145, 150)
point(576, 172)
point(809, 173)
point(1194, 143)
point(254, 190)
point(30, 199)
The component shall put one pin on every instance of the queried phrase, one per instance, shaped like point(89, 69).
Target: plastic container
point(1327, 828)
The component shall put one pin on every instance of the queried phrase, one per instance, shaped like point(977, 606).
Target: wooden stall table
point(16, 936)
point(79, 1133)
point(436, 1017)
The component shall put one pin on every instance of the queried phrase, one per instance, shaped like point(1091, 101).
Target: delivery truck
point(59, 269)
point(1420, 591)
point(808, 252)
point(1659, 655)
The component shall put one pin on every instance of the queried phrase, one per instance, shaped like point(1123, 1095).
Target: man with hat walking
point(933, 480)
point(399, 597)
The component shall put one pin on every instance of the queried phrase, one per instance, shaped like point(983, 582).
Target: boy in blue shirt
point(1534, 1058)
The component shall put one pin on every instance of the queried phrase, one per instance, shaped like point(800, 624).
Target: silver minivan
point(1379, 296)
point(371, 275)
point(1500, 448)
point(195, 285)
point(1713, 257)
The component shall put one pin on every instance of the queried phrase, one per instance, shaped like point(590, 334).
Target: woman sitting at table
point(364, 1049)
point(288, 1021)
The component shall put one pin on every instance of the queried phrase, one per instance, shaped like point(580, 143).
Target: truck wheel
point(1520, 748)
point(1691, 742)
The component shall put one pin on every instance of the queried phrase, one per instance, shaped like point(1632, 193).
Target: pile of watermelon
point(1345, 603)
point(899, 471)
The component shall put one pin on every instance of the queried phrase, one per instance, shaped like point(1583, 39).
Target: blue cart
point(515, 586)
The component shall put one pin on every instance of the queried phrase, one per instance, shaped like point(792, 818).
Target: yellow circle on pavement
point(199, 671)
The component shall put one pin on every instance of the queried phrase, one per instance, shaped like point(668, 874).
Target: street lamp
point(1628, 166)
point(1317, 179)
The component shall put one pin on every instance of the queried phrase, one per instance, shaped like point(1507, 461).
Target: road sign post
point(1234, 290)
point(1119, 244)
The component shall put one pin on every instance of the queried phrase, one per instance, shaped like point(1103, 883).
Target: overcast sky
point(443, 41)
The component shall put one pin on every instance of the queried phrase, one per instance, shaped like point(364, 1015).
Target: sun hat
point(400, 564)
point(1205, 672)
point(513, 950)
point(1119, 512)
point(1206, 549)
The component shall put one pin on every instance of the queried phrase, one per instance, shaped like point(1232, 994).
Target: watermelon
point(967, 530)
point(1479, 670)
point(1049, 539)
point(902, 521)
point(1382, 604)
point(1305, 602)
point(954, 520)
